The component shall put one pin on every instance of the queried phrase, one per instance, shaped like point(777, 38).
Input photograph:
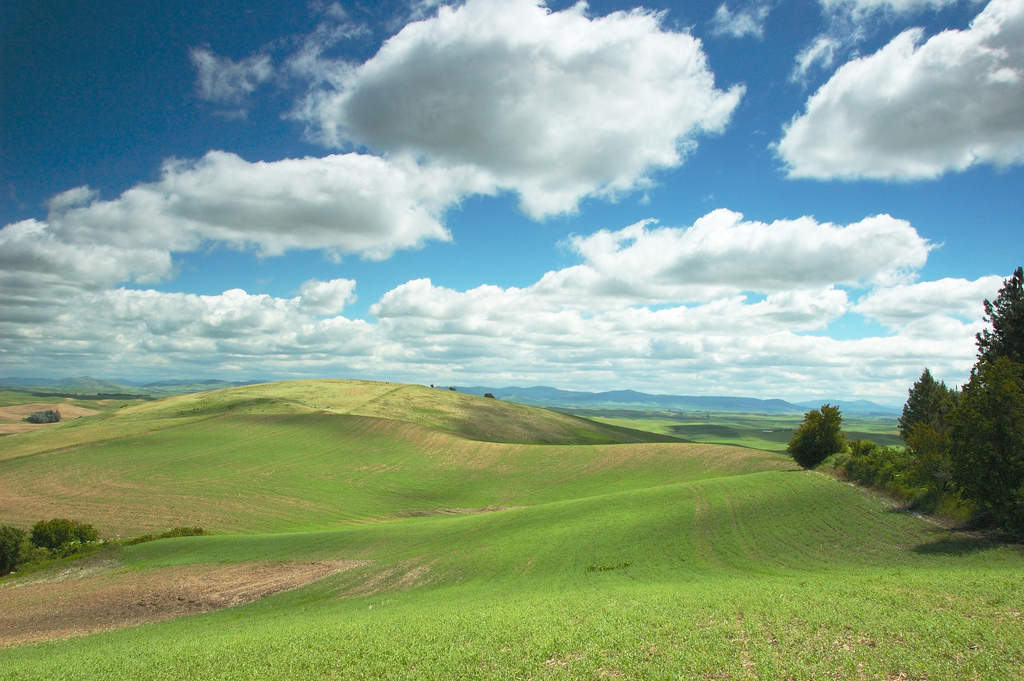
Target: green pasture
point(641, 560)
point(768, 432)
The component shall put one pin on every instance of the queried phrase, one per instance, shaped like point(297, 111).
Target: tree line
point(965, 447)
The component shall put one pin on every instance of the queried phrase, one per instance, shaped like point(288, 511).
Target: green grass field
point(760, 431)
point(592, 555)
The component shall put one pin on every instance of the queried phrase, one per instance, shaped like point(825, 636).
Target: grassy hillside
point(309, 455)
point(769, 432)
point(490, 560)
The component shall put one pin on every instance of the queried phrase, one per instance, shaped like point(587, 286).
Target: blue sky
point(769, 199)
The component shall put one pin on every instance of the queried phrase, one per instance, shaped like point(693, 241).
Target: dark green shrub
point(194, 531)
point(11, 541)
point(47, 416)
point(182, 531)
point(897, 471)
point(55, 534)
point(818, 437)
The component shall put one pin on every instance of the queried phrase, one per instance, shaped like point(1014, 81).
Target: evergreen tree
point(1006, 314)
point(988, 441)
point(818, 437)
point(987, 433)
point(928, 402)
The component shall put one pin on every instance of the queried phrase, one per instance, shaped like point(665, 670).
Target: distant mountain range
point(91, 387)
point(542, 396)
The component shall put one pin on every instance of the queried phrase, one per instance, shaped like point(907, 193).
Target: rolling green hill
point(496, 541)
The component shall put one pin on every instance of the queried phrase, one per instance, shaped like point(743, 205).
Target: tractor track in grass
point(101, 596)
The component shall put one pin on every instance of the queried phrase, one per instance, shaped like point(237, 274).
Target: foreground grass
point(656, 560)
point(765, 575)
point(919, 624)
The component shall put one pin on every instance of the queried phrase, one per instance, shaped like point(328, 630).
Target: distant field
point(460, 558)
point(771, 433)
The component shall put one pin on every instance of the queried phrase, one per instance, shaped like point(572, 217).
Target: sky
point(777, 199)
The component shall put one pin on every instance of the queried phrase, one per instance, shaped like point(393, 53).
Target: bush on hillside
point(12, 540)
point(182, 531)
point(818, 437)
point(47, 416)
point(62, 534)
point(894, 470)
point(489, 395)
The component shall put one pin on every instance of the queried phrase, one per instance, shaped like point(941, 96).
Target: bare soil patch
point(428, 512)
point(90, 600)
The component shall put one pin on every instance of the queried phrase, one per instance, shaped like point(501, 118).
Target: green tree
point(11, 540)
point(818, 437)
point(988, 440)
point(928, 402)
point(1006, 314)
point(924, 426)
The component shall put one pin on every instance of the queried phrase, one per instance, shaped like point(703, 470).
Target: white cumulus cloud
point(327, 297)
point(919, 108)
point(340, 204)
point(554, 105)
point(724, 306)
point(906, 303)
point(349, 203)
point(722, 254)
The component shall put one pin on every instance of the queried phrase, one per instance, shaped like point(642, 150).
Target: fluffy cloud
point(904, 304)
point(348, 203)
point(722, 306)
point(327, 297)
point(721, 254)
point(865, 7)
point(143, 330)
point(733, 345)
point(554, 105)
point(851, 22)
point(742, 22)
point(224, 81)
point(919, 109)
point(340, 204)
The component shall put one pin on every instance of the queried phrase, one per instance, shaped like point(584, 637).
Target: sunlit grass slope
point(315, 455)
point(765, 575)
point(649, 560)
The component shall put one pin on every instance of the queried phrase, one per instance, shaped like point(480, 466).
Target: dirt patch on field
point(402, 576)
point(93, 598)
point(428, 512)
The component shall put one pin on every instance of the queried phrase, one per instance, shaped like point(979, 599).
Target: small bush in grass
point(62, 534)
point(181, 531)
point(12, 539)
point(47, 416)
